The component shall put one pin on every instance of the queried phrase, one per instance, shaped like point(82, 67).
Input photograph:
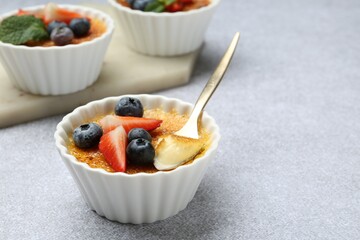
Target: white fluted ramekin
point(164, 34)
point(57, 70)
point(141, 197)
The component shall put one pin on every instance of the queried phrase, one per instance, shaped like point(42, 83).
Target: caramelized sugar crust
point(97, 28)
point(172, 121)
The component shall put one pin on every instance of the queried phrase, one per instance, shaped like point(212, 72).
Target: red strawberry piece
point(52, 12)
point(24, 12)
point(110, 122)
point(137, 122)
point(186, 1)
point(37, 13)
point(113, 146)
point(175, 7)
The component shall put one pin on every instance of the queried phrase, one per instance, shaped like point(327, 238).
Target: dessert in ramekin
point(165, 33)
point(164, 6)
point(41, 67)
point(140, 197)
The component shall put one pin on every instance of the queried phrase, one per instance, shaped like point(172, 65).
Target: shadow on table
point(207, 60)
point(197, 220)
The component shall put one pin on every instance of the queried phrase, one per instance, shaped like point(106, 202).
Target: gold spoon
point(175, 149)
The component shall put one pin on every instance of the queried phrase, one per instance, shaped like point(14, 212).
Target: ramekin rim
point(117, 5)
point(64, 151)
point(109, 29)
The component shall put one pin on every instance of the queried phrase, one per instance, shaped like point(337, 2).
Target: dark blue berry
point(128, 106)
point(80, 26)
point(87, 135)
point(130, 2)
point(140, 151)
point(54, 24)
point(139, 133)
point(140, 4)
point(62, 36)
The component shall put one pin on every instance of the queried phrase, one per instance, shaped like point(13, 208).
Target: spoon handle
point(190, 129)
point(215, 79)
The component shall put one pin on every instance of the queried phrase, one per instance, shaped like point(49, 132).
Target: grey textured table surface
point(288, 164)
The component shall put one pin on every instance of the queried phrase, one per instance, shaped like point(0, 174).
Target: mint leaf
point(169, 2)
point(22, 29)
point(158, 5)
point(155, 6)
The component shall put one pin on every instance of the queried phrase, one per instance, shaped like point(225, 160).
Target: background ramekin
point(164, 34)
point(142, 197)
point(59, 69)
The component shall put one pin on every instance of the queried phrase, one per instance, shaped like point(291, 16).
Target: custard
point(97, 28)
point(172, 121)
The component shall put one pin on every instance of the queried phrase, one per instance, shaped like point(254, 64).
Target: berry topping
point(128, 106)
point(36, 13)
point(130, 2)
point(139, 133)
point(110, 122)
point(80, 26)
point(113, 146)
point(140, 4)
point(53, 12)
point(55, 24)
point(87, 135)
point(140, 151)
point(62, 36)
point(160, 5)
point(175, 7)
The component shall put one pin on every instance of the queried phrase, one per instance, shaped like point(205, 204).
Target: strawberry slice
point(175, 7)
point(186, 1)
point(113, 146)
point(52, 12)
point(23, 12)
point(110, 122)
point(37, 13)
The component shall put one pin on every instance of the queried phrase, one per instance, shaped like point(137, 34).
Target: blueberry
point(130, 2)
point(80, 26)
point(140, 151)
point(54, 24)
point(128, 106)
point(140, 4)
point(139, 133)
point(62, 36)
point(87, 135)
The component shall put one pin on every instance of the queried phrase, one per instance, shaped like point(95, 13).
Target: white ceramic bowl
point(59, 69)
point(142, 197)
point(164, 34)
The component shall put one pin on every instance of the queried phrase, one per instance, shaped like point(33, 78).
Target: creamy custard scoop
point(174, 150)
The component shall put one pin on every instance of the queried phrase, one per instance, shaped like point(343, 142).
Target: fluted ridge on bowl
point(164, 34)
